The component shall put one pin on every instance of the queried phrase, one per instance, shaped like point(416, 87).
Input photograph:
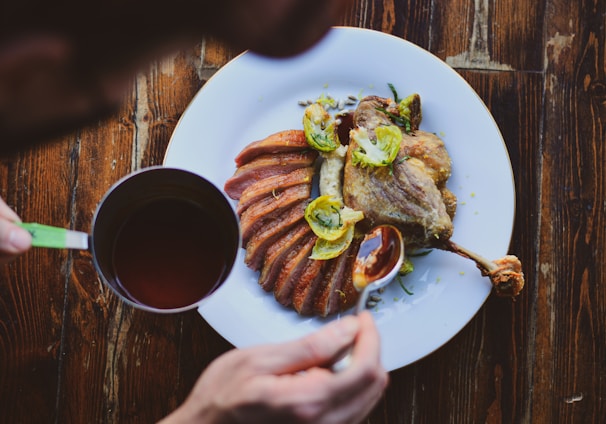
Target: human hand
point(75, 66)
point(292, 382)
point(273, 28)
point(14, 240)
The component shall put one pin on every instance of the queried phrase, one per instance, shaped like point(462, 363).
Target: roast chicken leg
point(411, 193)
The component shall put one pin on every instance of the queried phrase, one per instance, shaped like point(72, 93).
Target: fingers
point(365, 369)
point(365, 377)
point(368, 343)
point(323, 347)
point(315, 350)
point(7, 213)
point(14, 240)
point(346, 396)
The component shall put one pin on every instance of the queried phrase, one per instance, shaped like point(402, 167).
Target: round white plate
point(252, 97)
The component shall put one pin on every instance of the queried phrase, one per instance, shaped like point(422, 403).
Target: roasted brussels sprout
point(378, 152)
point(320, 128)
point(334, 225)
point(328, 249)
point(329, 218)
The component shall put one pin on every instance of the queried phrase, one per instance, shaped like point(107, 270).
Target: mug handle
point(55, 237)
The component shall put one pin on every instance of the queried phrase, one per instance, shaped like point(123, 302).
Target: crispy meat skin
point(269, 209)
point(269, 233)
point(309, 282)
point(450, 201)
point(265, 166)
point(277, 252)
point(273, 174)
point(292, 268)
point(337, 292)
point(429, 149)
point(280, 142)
point(313, 287)
point(407, 194)
point(273, 186)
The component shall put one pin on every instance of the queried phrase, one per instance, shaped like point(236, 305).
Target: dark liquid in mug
point(170, 253)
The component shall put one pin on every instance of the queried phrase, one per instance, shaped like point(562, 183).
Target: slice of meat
point(430, 149)
point(280, 142)
point(336, 292)
point(309, 282)
point(323, 303)
point(273, 186)
point(269, 233)
point(270, 207)
point(265, 166)
point(294, 264)
point(348, 295)
point(277, 252)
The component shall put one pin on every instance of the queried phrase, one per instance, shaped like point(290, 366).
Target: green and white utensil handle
point(55, 237)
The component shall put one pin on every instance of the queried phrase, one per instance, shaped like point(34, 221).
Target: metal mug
point(126, 202)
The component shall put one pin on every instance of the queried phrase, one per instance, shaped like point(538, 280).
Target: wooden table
point(71, 352)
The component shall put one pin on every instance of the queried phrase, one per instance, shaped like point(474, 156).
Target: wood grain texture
point(571, 297)
point(70, 351)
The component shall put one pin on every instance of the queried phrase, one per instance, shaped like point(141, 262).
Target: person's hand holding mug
point(292, 382)
point(14, 240)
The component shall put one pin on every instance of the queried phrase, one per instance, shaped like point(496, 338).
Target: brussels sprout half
point(320, 129)
point(334, 225)
point(329, 219)
point(379, 152)
point(328, 249)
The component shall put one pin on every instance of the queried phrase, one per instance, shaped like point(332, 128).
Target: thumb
point(314, 350)
point(14, 240)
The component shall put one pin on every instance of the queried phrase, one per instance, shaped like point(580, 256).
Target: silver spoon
point(378, 261)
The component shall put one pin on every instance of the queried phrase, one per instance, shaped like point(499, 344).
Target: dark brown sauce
point(383, 244)
point(346, 124)
point(169, 254)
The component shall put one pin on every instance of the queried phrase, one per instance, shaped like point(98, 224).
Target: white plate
point(252, 97)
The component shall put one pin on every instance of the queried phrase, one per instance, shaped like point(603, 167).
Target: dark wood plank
point(478, 34)
point(95, 323)
point(515, 100)
point(571, 299)
point(37, 184)
point(408, 19)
